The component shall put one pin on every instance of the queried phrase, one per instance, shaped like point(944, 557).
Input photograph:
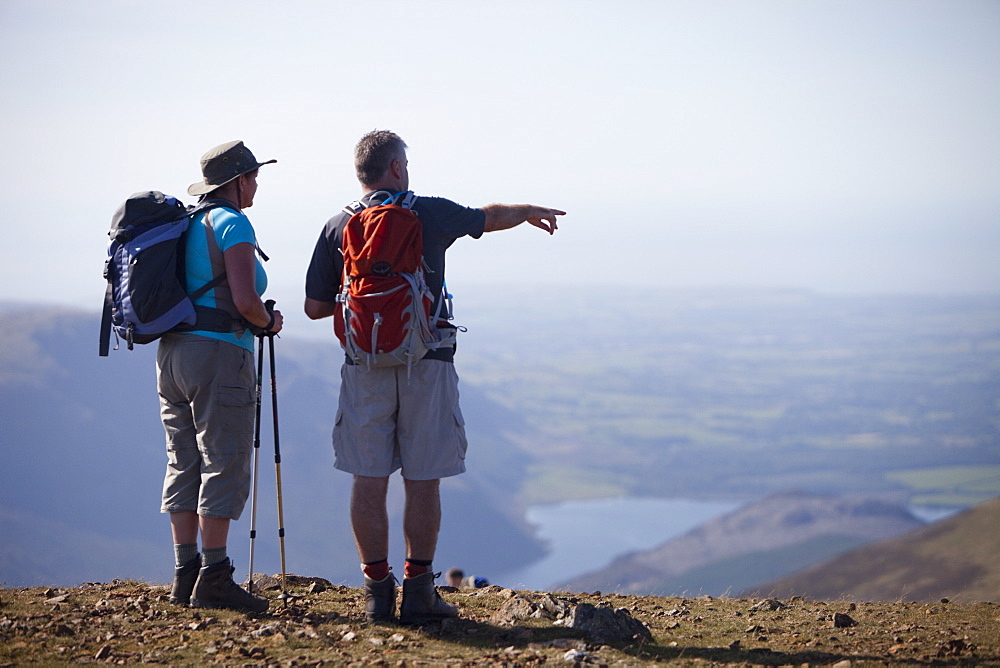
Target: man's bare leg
point(370, 521)
point(422, 518)
point(369, 518)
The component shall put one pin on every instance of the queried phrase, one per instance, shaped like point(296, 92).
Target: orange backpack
point(386, 318)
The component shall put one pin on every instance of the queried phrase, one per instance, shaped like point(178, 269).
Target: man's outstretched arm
point(505, 216)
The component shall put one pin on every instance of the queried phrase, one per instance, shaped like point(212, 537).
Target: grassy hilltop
point(957, 555)
point(131, 622)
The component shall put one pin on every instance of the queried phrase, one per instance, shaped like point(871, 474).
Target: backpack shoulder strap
point(105, 341)
point(224, 317)
point(215, 253)
point(218, 263)
point(217, 277)
point(405, 199)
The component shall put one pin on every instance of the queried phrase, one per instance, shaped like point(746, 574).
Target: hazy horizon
point(835, 147)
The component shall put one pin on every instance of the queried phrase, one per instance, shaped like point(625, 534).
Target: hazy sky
point(843, 146)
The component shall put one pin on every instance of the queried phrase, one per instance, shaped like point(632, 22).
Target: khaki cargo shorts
point(207, 405)
point(391, 418)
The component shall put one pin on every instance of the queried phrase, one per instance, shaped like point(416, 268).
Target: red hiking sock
point(377, 570)
point(415, 567)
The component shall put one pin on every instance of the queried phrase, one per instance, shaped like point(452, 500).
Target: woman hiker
point(207, 385)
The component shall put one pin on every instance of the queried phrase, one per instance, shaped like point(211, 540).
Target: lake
point(580, 533)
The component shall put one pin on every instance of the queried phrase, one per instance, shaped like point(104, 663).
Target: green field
point(950, 485)
point(681, 394)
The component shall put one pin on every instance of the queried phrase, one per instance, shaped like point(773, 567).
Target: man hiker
point(404, 417)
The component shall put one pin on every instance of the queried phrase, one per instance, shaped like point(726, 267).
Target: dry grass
point(133, 622)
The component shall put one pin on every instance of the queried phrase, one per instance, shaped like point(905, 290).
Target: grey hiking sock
point(184, 553)
point(213, 555)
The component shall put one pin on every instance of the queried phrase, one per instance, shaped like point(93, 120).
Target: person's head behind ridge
point(374, 155)
point(454, 577)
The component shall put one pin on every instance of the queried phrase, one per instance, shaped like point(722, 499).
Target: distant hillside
point(957, 558)
point(82, 462)
point(713, 395)
point(753, 544)
point(740, 394)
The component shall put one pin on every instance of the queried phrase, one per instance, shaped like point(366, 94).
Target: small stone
point(841, 621)
point(953, 647)
point(262, 581)
point(103, 653)
point(63, 630)
point(267, 630)
point(553, 607)
point(576, 656)
point(605, 624)
point(768, 604)
point(514, 609)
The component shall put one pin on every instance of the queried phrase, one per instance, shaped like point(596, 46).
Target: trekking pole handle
point(269, 307)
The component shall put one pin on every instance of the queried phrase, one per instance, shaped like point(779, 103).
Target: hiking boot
point(215, 589)
point(421, 601)
point(380, 599)
point(184, 579)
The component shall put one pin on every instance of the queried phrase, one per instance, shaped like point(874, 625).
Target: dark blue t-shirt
point(443, 222)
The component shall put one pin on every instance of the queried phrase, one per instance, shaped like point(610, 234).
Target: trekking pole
point(256, 459)
point(277, 459)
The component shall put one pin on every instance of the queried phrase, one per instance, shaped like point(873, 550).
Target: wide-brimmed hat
point(222, 164)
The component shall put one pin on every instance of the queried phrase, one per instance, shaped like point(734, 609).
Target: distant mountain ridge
point(753, 544)
point(957, 558)
point(731, 397)
point(82, 463)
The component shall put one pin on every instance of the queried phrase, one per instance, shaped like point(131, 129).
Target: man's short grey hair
point(374, 153)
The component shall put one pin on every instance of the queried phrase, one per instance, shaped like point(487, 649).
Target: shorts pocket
point(463, 442)
point(236, 409)
point(337, 426)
